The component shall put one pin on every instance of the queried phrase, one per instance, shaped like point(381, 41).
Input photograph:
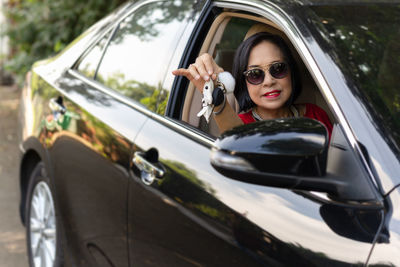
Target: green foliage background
point(38, 29)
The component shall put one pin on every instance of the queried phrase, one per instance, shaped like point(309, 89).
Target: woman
point(267, 83)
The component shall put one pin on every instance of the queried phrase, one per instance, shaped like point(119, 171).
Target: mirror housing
point(287, 153)
point(282, 146)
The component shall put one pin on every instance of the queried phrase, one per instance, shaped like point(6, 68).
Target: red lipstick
point(273, 94)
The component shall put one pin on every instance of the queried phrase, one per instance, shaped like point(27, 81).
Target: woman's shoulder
point(246, 117)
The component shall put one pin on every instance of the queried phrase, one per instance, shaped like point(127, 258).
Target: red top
point(312, 112)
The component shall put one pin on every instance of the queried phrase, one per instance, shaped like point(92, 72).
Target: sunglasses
point(256, 76)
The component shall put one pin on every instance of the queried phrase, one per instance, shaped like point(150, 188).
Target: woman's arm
point(226, 118)
point(198, 73)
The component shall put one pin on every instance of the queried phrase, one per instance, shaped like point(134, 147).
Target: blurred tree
point(40, 28)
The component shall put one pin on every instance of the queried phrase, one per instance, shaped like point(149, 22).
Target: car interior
point(225, 35)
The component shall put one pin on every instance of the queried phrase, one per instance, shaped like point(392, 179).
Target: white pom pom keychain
point(227, 80)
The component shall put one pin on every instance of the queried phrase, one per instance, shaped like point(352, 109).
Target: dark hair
point(241, 61)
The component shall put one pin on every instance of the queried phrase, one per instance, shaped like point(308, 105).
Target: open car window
point(224, 36)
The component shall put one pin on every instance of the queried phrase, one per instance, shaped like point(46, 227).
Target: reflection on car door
point(195, 216)
point(90, 151)
point(179, 220)
point(134, 57)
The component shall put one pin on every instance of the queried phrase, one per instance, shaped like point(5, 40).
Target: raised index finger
point(208, 62)
point(182, 72)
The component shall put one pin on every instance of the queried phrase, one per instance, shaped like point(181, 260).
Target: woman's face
point(272, 93)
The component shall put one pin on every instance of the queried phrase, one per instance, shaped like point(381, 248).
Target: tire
point(43, 231)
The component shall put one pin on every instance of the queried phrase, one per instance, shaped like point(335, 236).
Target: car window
point(136, 59)
point(88, 65)
point(227, 35)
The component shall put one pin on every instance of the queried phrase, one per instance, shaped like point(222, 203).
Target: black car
point(117, 169)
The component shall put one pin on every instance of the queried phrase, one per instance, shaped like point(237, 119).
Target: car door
point(182, 212)
point(89, 144)
point(115, 85)
point(121, 76)
point(90, 158)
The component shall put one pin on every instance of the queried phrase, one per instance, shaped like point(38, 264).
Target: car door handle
point(56, 105)
point(149, 166)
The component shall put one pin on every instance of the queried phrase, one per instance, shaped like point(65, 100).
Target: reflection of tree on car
point(155, 98)
point(92, 132)
point(372, 75)
point(167, 11)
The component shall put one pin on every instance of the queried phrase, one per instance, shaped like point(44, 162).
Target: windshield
point(365, 41)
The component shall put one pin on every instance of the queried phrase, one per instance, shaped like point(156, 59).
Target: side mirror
point(286, 153)
point(282, 146)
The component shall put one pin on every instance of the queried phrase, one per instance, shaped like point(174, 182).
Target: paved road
point(12, 233)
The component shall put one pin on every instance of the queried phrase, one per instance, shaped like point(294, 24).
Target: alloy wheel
point(42, 222)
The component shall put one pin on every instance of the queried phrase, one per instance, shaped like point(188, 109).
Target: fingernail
point(197, 77)
point(210, 72)
point(206, 77)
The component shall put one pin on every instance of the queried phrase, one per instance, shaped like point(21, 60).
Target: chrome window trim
point(194, 134)
point(90, 47)
point(197, 136)
point(278, 16)
point(95, 84)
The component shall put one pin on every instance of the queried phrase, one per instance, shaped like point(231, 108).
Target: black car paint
point(359, 113)
point(202, 192)
point(193, 215)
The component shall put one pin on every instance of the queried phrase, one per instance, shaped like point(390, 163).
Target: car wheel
point(42, 229)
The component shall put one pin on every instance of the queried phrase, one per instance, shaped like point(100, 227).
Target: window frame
point(91, 46)
point(270, 12)
point(90, 49)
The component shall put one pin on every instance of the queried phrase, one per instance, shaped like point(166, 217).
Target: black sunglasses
point(278, 70)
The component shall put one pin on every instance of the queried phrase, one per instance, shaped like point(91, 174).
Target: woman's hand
point(201, 71)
